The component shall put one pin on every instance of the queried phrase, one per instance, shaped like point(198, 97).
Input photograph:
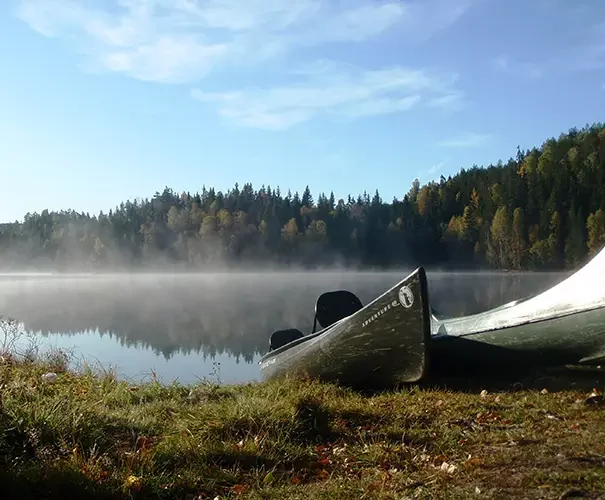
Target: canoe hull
point(573, 339)
point(383, 344)
point(564, 325)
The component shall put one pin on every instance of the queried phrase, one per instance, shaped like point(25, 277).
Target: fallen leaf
point(269, 478)
point(449, 468)
point(239, 489)
point(296, 480)
point(133, 481)
point(472, 462)
point(322, 474)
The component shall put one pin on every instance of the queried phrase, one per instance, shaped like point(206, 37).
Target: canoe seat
point(334, 306)
point(280, 338)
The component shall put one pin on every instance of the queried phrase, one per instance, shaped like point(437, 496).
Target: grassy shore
point(85, 435)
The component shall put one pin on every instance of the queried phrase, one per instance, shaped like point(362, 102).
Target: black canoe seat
point(280, 338)
point(334, 306)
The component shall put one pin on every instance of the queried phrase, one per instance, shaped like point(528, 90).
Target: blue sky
point(107, 100)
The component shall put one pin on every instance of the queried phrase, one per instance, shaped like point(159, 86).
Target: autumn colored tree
point(596, 231)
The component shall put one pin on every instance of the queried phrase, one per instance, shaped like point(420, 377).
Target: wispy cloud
point(436, 168)
point(466, 140)
point(425, 19)
point(182, 41)
point(450, 102)
point(504, 64)
point(331, 89)
point(178, 41)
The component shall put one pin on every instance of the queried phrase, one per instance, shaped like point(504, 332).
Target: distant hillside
point(542, 209)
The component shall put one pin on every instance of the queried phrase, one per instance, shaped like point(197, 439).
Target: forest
point(543, 209)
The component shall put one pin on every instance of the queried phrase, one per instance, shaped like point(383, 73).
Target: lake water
point(212, 326)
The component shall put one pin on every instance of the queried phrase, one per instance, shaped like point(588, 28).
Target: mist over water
point(182, 326)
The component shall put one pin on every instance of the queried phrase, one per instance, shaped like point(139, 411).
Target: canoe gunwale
point(555, 317)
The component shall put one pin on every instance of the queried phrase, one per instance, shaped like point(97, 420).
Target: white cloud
point(170, 60)
point(466, 140)
point(179, 40)
point(330, 89)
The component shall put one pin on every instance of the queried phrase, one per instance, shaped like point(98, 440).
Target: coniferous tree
point(542, 209)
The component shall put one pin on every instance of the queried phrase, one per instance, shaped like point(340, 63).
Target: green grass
point(92, 436)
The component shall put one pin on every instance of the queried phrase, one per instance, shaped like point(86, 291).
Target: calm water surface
point(212, 326)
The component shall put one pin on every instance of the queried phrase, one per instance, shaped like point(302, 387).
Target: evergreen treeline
point(542, 209)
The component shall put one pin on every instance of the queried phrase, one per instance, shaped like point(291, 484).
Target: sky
point(107, 100)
